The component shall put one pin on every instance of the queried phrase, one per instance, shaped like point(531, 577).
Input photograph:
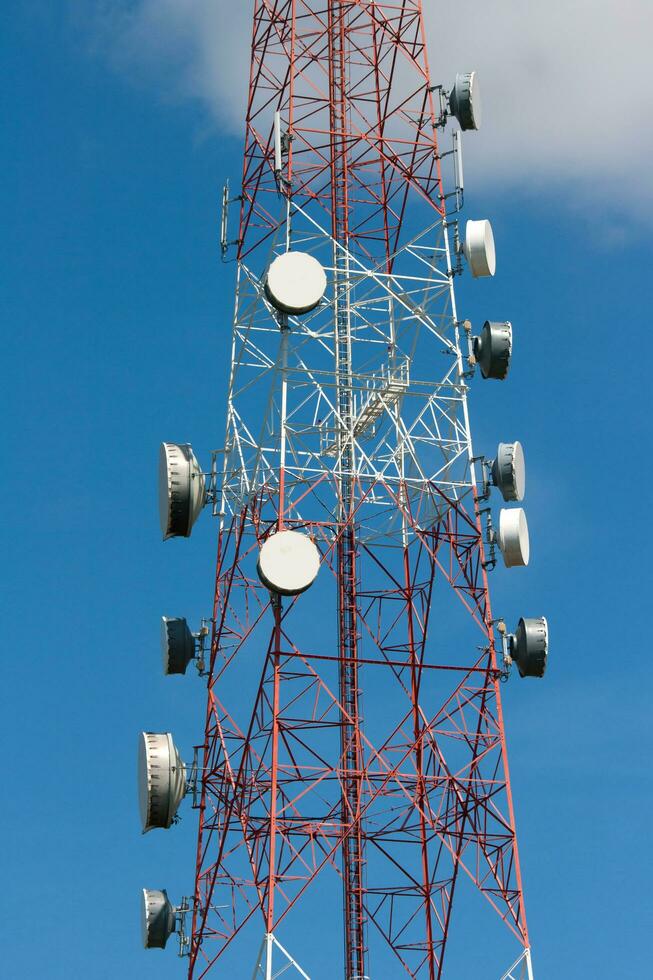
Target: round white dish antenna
point(493, 349)
point(479, 248)
point(177, 644)
point(509, 471)
point(157, 918)
point(529, 646)
point(295, 282)
point(182, 489)
point(513, 537)
point(161, 780)
point(465, 101)
point(288, 563)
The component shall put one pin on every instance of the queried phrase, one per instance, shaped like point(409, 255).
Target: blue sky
point(116, 321)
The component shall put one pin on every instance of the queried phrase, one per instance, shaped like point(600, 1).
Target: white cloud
point(567, 92)
point(185, 49)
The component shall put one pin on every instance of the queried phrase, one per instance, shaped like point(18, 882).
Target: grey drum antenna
point(179, 645)
point(528, 646)
point(506, 472)
point(160, 918)
point(465, 101)
point(492, 350)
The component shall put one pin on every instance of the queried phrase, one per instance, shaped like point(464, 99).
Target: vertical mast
point(352, 848)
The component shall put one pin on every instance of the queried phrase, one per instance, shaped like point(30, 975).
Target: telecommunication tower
point(352, 783)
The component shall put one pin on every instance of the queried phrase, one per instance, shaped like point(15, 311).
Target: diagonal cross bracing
point(354, 741)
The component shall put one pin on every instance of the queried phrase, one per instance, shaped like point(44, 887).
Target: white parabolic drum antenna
point(513, 537)
point(288, 563)
point(479, 248)
point(295, 282)
point(161, 780)
point(182, 489)
point(157, 918)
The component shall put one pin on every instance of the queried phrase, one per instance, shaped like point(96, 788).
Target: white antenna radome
point(295, 282)
point(479, 248)
point(288, 563)
point(512, 537)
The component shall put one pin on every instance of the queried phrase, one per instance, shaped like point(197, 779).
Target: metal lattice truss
point(388, 139)
point(521, 969)
point(354, 739)
point(274, 961)
point(409, 432)
point(434, 802)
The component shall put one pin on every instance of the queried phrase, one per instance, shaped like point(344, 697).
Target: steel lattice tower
point(354, 741)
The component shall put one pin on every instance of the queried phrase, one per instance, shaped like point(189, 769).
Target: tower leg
point(521, 969)
point(264, 964)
